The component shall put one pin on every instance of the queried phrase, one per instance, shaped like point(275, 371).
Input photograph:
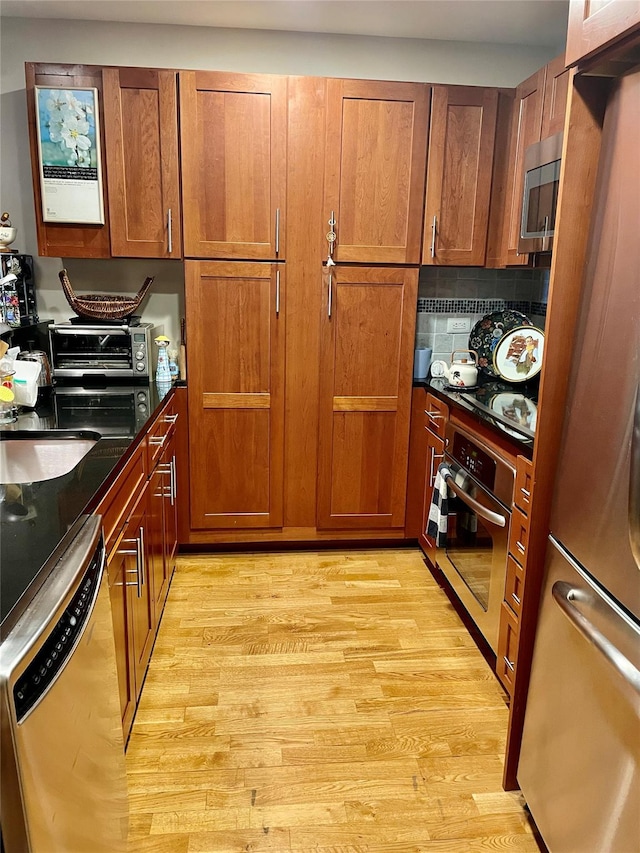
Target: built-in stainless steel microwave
point(541, 185)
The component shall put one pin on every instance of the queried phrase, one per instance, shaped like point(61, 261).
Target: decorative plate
point(518, 355)
point(517, 408)
point(487, 332)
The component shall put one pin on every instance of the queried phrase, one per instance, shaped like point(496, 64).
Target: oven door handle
point(483, 512)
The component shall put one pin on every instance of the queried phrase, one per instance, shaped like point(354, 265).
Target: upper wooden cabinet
point(375, 169)
point(141, 133)
point(56, 239)
point(554, 104)
point(596, 24)
point(461, 141)
point(538, 112)
point(525, 130)
point(235, 350)
point(366, 363)
point(233, 146)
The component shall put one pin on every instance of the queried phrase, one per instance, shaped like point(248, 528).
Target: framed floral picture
point(69, 152)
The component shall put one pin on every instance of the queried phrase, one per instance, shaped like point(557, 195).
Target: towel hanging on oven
point(438, 511)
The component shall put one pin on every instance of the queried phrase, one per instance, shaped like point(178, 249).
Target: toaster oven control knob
point(140, 355)
point(140, 367)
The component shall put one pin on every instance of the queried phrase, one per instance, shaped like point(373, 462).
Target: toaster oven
point(92, 350)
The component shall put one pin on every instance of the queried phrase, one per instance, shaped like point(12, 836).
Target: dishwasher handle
point(40, 645)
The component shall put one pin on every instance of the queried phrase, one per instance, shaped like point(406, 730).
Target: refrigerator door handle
point(634, 485)
point(564, 594)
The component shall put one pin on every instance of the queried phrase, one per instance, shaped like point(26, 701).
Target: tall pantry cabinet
point(303, 433)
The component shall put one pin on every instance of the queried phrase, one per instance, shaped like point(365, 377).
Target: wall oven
point(474, 559)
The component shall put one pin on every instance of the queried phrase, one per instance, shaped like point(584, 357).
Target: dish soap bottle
point(163, 375)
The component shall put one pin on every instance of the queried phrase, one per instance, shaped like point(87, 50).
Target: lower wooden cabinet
point(435, 455)
point(507, 648)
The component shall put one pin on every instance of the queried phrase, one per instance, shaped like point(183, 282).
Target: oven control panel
point(472, 457)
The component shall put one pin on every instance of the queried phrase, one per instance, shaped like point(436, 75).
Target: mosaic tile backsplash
point(446, 292)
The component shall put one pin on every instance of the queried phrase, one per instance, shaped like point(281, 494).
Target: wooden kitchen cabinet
point(375, 167)
point(526, 126)
point(235, 350)
point(141, 135)
point(117, 574)
point(366, 363)
point(461, 147)
point(597, 24)
point(436, 415)
point(58, 239)
point(554, 102)
point(233, 149)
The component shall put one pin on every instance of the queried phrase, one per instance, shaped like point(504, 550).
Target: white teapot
point(463, 372)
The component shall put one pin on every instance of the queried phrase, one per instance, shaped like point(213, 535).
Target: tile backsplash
point(469, 292)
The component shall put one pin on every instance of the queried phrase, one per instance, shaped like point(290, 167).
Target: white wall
point(33, 40)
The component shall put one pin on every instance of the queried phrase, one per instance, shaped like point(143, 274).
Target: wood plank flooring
point(318, 703)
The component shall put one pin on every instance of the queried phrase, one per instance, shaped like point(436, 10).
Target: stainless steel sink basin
point(31, 456)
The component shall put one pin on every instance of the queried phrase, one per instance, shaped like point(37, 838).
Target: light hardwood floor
point(325, 702)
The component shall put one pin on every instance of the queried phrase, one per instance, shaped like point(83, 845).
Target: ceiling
point(526, 22)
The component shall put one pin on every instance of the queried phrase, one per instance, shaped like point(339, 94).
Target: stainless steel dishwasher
point(63, 772)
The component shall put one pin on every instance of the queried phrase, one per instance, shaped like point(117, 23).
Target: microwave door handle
point(545, 239)
point(482, 511)
point(634, 484)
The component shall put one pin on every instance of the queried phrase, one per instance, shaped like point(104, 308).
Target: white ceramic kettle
point(463, 372)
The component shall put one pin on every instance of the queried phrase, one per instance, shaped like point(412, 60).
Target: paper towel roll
point(421, 362)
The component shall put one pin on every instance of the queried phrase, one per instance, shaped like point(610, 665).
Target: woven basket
point(103, 307)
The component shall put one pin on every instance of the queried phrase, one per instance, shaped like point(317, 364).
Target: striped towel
point(437, 521)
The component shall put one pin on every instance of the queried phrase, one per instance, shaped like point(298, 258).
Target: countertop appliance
point(474, 559)
point(81, 350)
point(580, 763)
point(63, 771)
point(22, 267)
point(541, 184)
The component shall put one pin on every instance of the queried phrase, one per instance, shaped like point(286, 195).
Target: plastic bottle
point(162, 370)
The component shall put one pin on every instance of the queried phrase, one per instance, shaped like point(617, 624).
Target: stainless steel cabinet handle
point(520, 547)
point(510, 665)
point(277, 293)
point(516, 598)
point(141, 550)
point(432, 473)
point(170, 419)
point(434, 228)
point(473, 504)
point(434, 415)
point(174, 492)
point(330, 301)
point(129, 552)
point(525, 492)
point(169, 231)
point(277, 231)
point(564, 595)
point(157, 441)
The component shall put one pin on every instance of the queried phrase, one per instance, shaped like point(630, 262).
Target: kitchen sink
point(31, 456)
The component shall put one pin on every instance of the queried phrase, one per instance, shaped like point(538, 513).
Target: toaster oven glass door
point(76, 351)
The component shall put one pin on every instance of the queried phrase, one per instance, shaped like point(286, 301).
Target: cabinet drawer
point(507, 647)
point(519, 536)
point(159, 433)
point(435, 415)
point(524, 484)
point(513, 585)
point(117, 504)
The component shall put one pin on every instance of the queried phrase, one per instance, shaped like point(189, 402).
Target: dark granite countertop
point(35, 517)
point(509, 409)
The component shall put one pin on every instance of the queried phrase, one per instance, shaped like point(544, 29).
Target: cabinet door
point(435, 455)
point(595, 24)
point(140, 599)
point(556, 89)
point(235, 349)
point(155, 540)
point(141, 132)
point(461, 139)
point(233, 148)
point(170, 514)
point(58, 239)
point(123, 631)
point(525, 129)
point(366, 365)
point(375, 169)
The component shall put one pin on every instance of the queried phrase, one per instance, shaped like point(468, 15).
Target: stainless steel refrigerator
point(579, 767)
